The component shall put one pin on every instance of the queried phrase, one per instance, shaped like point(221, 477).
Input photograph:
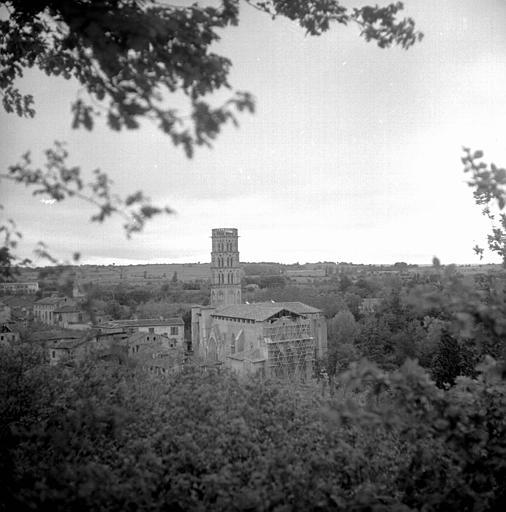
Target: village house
point(44, 309)
point(69, 348)
point(21, 307)
point(15, 287)
point(141, 344)
point(172, 327)
point(75, 345)
point(8, 334)
point(65, 316)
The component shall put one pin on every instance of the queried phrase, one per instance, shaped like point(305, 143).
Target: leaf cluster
point(489, 184)
point(109, 437)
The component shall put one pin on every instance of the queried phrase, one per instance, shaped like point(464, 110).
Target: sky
point(353, 153)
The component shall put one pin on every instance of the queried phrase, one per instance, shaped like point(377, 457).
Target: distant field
point(186, 272)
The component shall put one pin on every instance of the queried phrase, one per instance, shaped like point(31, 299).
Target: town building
point(70, 347)
point(68, 315)
point(74, 345)
point(8, 334)
point(275, 339)
point(45, 310)
point(154, 352)
point(21, 307)
point(14, 287)
point(172, 328)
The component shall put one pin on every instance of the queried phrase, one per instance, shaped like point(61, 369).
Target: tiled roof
point(15, 301)
point(69, 344)
point(300, 307)
point(141, 336)
point(50, 300)
point(56, 334)
point(260, 311)
point(150, 322)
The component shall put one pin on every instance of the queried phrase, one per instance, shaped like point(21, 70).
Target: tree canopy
point(128, 54)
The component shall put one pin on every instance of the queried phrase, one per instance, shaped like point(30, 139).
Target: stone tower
point(225, 268)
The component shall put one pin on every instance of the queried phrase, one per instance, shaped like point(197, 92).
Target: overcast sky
point(353, 153)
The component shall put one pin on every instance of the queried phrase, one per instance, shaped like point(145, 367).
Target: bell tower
point(225, 268)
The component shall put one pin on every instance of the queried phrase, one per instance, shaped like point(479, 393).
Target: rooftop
point(149, 322)
point(50, 300)
point(260, 311)
point(69, 343)
point(140, 336)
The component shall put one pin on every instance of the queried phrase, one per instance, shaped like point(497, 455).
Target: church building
point(274, 338)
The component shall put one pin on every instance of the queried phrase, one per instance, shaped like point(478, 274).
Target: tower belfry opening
point(225, 268)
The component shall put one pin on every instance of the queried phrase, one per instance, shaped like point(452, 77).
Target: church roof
point(260, 311)
point(300, 307)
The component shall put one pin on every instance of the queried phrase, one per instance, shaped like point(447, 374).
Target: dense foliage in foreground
point(107, 437)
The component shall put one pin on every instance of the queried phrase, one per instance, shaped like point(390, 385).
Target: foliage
point(342, 330)
point(58, 181)
point(108, 437)
point(489, 184)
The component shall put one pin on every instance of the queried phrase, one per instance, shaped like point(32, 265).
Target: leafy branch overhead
point(489, 184)
point(129, 54)
point(59, 181)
